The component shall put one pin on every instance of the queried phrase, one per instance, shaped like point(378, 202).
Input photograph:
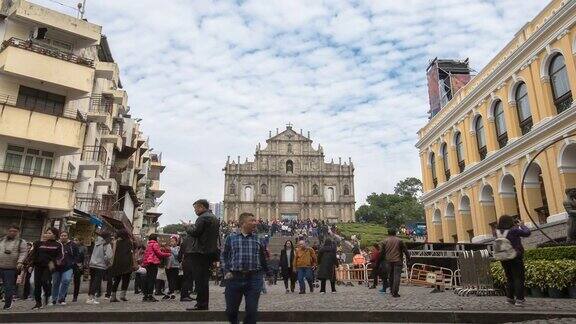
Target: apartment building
point(68, 144)
point(484, 135)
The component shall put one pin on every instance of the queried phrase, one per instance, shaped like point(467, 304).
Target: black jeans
point(27, 288)
point(188, 277)
point(394, 275)
point(323, 285)
point(77, 277)
point(138, 282)
point(201, 273)
point(42, 282)
point(8, 277)
point(96, 276)
point(150, 280)
point(172, 277)
point(249, 288)
point(125, 278)
point(515, 277)
point(291, 275)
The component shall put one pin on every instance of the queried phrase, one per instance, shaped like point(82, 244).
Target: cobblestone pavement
point(347, 298)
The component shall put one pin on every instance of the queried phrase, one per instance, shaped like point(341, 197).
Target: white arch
point(567, 158)
point(449, 211)
point(248, 193)
point(288, 193)
point(487, 194)
point(492, 106)
point(531, 180)
point(512, 89)
point(507, 182)
point(545, 66)
point(464, 204)
point(437, 217)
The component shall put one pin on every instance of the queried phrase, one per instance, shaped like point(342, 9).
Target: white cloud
point(211, 78)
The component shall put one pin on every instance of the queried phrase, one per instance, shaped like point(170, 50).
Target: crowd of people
point(238, 250)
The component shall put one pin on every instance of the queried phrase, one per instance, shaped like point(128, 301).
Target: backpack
point(503, 249)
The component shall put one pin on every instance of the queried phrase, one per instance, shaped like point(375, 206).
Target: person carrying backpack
point(509, 250)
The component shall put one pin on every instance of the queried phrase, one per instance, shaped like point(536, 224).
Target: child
point(274, 268)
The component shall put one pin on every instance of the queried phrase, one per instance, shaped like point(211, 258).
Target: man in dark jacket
point(393, 250)
point(201, 250)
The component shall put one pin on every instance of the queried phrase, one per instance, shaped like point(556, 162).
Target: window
point(500, 123)
point(459, 151)
point(560, 84)
point(289, 166)
point(523, 108)
point(288, 194)
point(232, 189)
point(445, 161)
point(29, 161)
point(433, 169)
point(480, 138)
point(264, 189)
point(346, 190)
point(329, 194)
point(315, 190)
point(41, 101)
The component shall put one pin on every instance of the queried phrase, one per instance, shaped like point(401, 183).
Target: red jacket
point(153, 254)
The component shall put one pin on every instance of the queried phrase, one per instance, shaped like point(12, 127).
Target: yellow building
point(67, 140)
point(475, 149)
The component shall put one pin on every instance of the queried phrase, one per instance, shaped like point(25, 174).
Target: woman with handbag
point(46, 254)
point(123, 265)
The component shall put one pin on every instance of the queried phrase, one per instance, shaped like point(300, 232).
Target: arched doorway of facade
point(437, 225)
point(449, 224)
point(509, 196)
point(488, 211)
point(466, 219)
point(535, 194)
point(567, 166)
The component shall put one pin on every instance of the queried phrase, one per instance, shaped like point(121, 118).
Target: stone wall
point(556, 230)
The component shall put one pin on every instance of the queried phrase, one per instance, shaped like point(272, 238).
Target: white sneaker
point(95, 301)
point(90, 301)
point(62, 303)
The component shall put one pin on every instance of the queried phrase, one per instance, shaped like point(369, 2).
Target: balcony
point(93, 158)
point(155, 188)
point(111, 136)
point(107, 70)
point(124, 176)
point(41, 16)
point(156, 161)
point(34, 189)
point(120, 96)
point(39, 62)
point(40, 126)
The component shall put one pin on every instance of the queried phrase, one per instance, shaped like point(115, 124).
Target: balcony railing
point(68, 111)
point(67, 176)
point(46, 50)
point(94, 154)
point(96, 203)
point(99, 103)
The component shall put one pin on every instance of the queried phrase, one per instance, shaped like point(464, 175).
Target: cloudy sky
point(211, 78)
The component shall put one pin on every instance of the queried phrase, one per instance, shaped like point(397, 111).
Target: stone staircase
point(276, 243)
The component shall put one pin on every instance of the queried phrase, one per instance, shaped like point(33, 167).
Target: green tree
point(393, 210)
point(173, 229)
point(409, 187)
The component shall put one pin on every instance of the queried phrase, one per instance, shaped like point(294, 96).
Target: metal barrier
point(474, 274)
point(347, 274)
point(420, 276)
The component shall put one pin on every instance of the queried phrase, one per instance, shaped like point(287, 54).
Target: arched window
point(248, 193)
point(560, 84)
point(445, 161)
point(481, 138)
point(232, 189)
point(329, 194)
point(346, 190)
point(288, 194)
point(264, 189)
point(289, 166)
point(460, 151)
point(523, 108)
point(315, 191)
point(500, 123)
point(433, 169)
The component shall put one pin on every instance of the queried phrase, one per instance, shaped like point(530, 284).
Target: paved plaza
point(356, 298)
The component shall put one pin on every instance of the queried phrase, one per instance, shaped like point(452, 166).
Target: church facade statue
point(570, 206)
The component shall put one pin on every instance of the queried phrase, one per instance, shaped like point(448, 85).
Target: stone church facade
point(288, 179)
